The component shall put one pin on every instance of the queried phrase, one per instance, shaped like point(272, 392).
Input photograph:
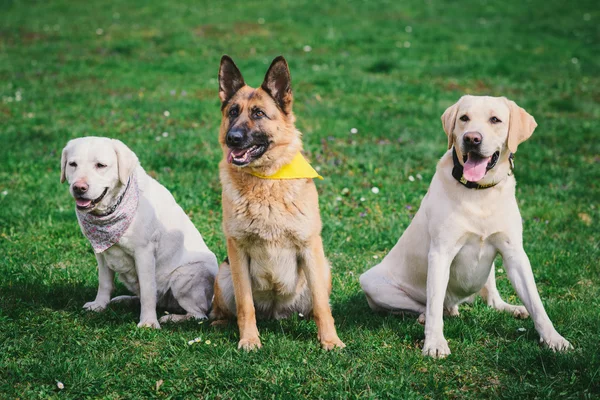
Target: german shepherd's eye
point(258, 114)
point(464, 118)
point(234, 111)
point(495, 120)
point(73, 164)
point(100, 165)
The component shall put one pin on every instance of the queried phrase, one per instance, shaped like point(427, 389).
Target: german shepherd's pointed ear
point(230, 80)
point(449, 120)
point(520, 127)
point(278, 83)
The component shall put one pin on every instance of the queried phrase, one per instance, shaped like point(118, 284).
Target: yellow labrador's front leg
point(318, 277)
point(242, 286)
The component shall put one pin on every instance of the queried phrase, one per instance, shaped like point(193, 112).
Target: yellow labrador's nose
point(80, 187)
point(472, 138)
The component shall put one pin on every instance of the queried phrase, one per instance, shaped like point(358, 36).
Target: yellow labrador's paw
point(557, 343)
point(250, 344)
point(149, 323)
point(436, 348)
point(332, 343)
point(520, 312)
point(95, 306)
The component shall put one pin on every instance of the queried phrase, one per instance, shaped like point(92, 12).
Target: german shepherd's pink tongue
point(237, 154)
point(475, 167)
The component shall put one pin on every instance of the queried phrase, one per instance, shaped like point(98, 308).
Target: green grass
point(111, 68)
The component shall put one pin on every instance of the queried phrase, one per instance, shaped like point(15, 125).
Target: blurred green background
point(145, 72)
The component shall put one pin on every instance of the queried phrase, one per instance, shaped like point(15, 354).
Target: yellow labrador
point(468, 216)
point(138, 230)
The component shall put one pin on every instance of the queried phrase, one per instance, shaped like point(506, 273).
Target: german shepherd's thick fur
point(276, 265)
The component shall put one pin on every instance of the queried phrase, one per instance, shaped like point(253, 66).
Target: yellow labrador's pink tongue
point(475, 168)
point(83, 202)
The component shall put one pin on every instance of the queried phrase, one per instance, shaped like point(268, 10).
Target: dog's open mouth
point(242, 157)
point(477, 165)
point(87, 204)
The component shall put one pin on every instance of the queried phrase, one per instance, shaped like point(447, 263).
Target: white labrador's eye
point(464, 118)
point(100, 165)
point(73, 164)
point(495, 120)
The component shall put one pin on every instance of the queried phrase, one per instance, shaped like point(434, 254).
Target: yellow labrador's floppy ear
point(230, 80)
point(127, 161)
point(520, 127)
point(278, 83)
point(449, 120)
point(63, 165)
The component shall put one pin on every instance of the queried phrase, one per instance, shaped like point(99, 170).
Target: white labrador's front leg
point(438, 273)
point(106, 285)
point(145, 265)
point(521, 276)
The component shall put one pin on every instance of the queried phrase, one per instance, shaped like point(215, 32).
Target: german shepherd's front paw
point(332, 343)
point(149, 323)
point(249, 344)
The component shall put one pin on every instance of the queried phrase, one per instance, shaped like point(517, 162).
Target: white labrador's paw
point(556, 342)
point(149, 323)
point(520, 312)
point(436, 348)
point(95, 306)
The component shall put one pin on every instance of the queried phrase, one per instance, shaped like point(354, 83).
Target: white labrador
point(138, 230)
point(446, 255)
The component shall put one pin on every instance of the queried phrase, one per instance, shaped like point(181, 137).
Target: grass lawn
point(388, 69)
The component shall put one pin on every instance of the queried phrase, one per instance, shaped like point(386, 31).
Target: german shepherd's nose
point(472, 139)
point(234, 138)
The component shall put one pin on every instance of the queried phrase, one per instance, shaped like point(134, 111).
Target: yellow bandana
point(299, 168)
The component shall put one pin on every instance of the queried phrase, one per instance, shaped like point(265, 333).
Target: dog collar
point(103, 231)
point(457, 173)
point(298, 168)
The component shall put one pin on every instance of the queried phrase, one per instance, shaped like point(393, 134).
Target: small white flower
point(407, 44)
point(354, 131)
point(301, 315)
point(521, 329)
point(318, 168)
point(375, 189)
point(307, 49)
point(339, 198)
point(261, 21)
point(30, 115)
point(4, 192)
point(166, 113)
point(362, 199)
point(345, 190)
point(158, 138)
point(60, 385)
point(376, 256)
point(411, 178)
point(408, 29)
point(208, 342)
point(99, 31)
point(197, 340)
point(165, 134)
point(574, 60)
point(420, 177)
point(500, 270)
point(190, 342)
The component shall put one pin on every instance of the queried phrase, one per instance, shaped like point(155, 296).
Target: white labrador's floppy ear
point(449, 120)
point(63, 164)
point(520, 127)
point(127, 161)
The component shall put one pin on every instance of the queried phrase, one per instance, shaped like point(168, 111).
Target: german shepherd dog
point(276, 265)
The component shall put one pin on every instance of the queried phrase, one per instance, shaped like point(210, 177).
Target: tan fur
point(273, 228)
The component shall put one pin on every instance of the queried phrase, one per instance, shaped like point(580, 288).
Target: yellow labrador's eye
point(72, 164)
point(100, 165)
point(258, 114)
point(464, 118)
point(495, 120)
point(234, 111)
